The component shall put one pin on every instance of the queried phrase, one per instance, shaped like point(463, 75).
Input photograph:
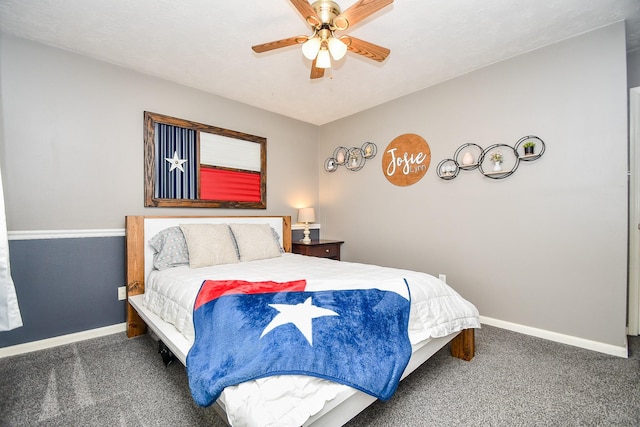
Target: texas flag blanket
point(248, 330)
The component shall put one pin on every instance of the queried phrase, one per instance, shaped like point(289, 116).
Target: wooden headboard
point(139, 229)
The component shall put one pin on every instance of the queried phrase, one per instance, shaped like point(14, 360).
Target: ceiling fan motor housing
point(327, 12)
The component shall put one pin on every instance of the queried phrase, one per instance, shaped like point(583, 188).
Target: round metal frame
point(450, 168)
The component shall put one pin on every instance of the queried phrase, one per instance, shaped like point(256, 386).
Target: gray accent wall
point(66, 286)
point(297, 235)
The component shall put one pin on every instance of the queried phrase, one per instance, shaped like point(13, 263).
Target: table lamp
point(306, 215)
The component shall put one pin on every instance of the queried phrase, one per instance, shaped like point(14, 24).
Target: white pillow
point(209, 244)
point(255, 241)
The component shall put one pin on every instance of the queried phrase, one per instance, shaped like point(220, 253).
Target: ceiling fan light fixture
point(337, 48)
point(324, 59)
point(325, 18)
point(311, 47)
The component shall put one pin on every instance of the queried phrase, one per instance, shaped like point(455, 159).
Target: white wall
point(72, 154)
point(545, 247)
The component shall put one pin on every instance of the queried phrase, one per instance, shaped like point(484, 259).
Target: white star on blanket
point(176, 162)
point(300, 315)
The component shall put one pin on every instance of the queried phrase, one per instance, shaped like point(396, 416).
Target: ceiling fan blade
point(265, 47)
point(307, 12)
point(316, 72)
point(359, 11)
point(364, 48)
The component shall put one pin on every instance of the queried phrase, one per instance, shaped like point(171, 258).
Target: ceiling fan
point(325, 18)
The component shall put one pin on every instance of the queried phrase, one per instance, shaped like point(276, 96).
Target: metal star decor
point(176, 162)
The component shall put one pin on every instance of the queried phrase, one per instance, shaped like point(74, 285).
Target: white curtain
point(10, 317)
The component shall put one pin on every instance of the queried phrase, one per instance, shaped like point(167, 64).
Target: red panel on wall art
point(220, 184)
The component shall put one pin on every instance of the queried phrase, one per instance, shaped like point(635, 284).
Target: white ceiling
point(206, 44)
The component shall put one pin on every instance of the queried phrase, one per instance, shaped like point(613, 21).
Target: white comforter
point(436, 311)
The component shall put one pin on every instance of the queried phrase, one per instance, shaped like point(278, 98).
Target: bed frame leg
point(463, 345)
point(135, 324)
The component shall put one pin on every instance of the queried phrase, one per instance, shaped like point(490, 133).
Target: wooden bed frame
point(139, 229)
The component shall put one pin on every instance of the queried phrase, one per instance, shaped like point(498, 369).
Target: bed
point(340, 402)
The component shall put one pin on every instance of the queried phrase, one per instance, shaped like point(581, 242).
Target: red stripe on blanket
point(212, 289)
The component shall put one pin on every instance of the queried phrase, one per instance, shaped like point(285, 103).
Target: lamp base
point(306, 239)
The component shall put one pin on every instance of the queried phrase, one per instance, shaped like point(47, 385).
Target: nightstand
point(319, 248)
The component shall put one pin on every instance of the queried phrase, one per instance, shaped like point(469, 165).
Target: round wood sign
point(406, 160)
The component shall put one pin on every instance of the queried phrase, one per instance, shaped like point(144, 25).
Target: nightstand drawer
point(319, 248)
point(325, 251)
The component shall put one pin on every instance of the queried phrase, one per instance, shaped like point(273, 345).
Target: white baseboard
point(15, 350)
point(556, 337)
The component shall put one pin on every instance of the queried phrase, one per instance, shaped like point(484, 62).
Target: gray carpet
point(514, 380)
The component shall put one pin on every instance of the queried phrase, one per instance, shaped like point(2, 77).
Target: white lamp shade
point(306, 215)
point(337, 48)
point(311, 47)
point(324, 59)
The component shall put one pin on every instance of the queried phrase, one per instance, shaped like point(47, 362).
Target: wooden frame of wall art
point(190, 164)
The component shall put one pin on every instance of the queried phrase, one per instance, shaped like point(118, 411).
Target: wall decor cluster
point(352, 158)
point(189, 164)
point(406, 160)
point(497, 161)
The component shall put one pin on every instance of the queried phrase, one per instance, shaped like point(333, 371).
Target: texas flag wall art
point(200, 165)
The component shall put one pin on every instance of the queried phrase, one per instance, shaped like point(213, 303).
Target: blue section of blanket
point(354, 337)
